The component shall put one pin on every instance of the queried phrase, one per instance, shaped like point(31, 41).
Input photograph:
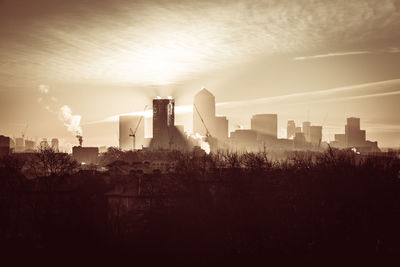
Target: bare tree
point(49, 163)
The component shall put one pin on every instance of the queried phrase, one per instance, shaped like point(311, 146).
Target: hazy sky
point(317, 60)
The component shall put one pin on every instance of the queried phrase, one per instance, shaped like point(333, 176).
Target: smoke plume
point(50, 103)
point(72, 122)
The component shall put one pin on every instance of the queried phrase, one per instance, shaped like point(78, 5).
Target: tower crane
point(133, 133)
point(201, 118)
point(209, 139)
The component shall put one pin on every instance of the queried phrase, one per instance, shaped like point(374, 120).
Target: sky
point(68, 66)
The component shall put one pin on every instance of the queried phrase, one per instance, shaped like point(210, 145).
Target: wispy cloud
point(337, 54)
point(153, 42)
point(362, 90)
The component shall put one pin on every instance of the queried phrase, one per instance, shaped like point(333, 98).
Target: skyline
point(105, 59)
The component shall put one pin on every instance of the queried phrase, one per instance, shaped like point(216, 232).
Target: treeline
point(223, 208)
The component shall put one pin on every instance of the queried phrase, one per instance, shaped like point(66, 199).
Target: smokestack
point(80, 139)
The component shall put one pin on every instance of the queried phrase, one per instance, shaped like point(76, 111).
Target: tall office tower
point(19, 145)
point(126, 123)
point(222, 128)
point(297, 129)
point(163, 123)
point(354, 136)
point(266, 126)
point(205, 104)
point(54, 144)
point(306, 130)
point(291, 129)
point(315, 135)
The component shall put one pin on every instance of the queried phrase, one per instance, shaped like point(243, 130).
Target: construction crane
point(133, 133)
point(213, 142)
point(201, 118)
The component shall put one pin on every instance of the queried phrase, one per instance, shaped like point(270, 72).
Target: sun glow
point(159, 65)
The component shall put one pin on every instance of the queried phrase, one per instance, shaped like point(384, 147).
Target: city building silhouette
point(306, 130)
point(291, 129)
point(315, 135)
point(355, 137)
point(244, 139)
point(163, 123)
point(222, 128)
point(266, 127)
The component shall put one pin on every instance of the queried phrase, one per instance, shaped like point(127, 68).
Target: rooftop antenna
point(133, 133)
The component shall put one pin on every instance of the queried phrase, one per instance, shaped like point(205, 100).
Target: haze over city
point(321, 61)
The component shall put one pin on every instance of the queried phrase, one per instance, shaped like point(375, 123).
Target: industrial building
point(85, 155)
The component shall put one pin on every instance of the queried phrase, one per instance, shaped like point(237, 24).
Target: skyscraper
point(266, 126)
point(291, 129)
point(126, 123)
point(306, 130)
point(315, 135)
point(354, 136)
point(204, 101)
point(222, 128)
point(163, 122)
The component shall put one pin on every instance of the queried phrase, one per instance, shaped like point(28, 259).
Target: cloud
point(332, 55)
point(362, 90)
point(158, 43)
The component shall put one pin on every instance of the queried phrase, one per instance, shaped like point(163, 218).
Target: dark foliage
point(218, 209)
